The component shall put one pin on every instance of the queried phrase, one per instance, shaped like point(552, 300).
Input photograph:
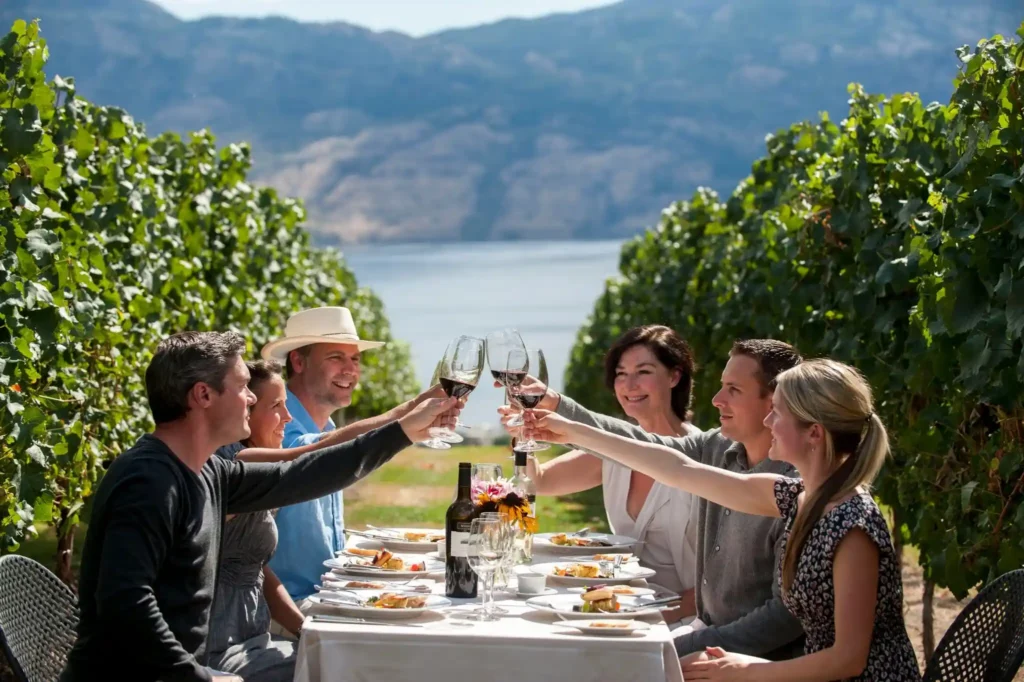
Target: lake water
point(435, 292)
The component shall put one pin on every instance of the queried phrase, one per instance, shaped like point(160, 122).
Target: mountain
point(576, 125)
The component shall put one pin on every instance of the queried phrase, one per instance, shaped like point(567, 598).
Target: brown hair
point(262, 370)
point(838, 397)
point(671, 351)
point(773, 357)
point(183, 360)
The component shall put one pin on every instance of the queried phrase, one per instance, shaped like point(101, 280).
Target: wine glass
point(448, 436)
point(504, 570)
point(517, 365)
point(499, 345)
point(486, 472)
point(488, 543)
point(529, 394)
point(459, 372)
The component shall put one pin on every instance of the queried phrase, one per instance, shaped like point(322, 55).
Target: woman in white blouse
point(650, 369)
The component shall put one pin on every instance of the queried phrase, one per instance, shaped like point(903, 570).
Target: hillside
point(570, 126)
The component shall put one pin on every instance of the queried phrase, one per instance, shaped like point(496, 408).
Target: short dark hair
point(262, 370)
point(773, 358)
point(304, 351)
point(671, 351)
point(183, 360)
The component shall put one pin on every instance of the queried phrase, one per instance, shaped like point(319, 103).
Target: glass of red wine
point(461, 368)
point(498, 346)
point(528, 392)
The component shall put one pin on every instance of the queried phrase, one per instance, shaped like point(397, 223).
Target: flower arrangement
point(501, 496)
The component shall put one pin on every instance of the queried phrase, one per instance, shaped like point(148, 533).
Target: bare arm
point(342, 435)
point(855, 574)
point(282, 608)
point(748, 493)
point(566, 474)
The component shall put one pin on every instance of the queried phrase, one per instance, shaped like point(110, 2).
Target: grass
point(416, 487)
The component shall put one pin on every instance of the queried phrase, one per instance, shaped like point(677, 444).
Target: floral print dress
point(811, 598)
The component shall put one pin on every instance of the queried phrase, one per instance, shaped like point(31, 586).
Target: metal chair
point(986, 641)
point(38, 619)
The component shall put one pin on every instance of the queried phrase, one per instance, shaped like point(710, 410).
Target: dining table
point(523, 644)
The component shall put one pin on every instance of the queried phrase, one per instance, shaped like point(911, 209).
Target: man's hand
point(434, 391)
point(432, 413)
point(227, 678)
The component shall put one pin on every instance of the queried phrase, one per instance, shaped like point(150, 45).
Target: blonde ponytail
point(836, 396)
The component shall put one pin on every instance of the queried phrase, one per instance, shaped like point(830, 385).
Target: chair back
point(986, 641)
point(38, 619)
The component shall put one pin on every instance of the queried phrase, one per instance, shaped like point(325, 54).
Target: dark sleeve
point(691, 446)
point(256, 486)
point(140, 520)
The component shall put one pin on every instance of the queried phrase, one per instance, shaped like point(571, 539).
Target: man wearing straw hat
point(320, 350)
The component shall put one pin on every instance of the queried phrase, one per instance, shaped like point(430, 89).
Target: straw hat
point(317, 325)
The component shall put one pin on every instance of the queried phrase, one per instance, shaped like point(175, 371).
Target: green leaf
point(970, 305)
point(42, 242)
point(965, 494)
point(1015, 308)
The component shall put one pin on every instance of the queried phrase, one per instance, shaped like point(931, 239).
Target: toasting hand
point(549, 427)
point(430, 414)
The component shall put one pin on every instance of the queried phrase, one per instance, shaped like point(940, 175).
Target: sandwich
point(598, 600)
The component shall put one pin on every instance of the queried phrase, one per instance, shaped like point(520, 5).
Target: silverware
point(321, 618)
point(648, 604)
point(582, 532)
point(364, 534)
point(387, 531)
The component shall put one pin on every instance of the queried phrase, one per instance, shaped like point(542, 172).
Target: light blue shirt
point(311, 532)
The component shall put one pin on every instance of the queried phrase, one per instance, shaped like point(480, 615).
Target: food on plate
point(364, 585)
point(563, 540)
point(578, 571)
point(362, 552)
point(390, 600)
point(435, 537)
point(622, 589)
point(388, 561)
point(622, 624)
point(413, 536)
point(598, 600)
point(611, 557)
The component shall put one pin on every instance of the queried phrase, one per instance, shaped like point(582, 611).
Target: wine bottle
point(522, 481)
point(459, 577)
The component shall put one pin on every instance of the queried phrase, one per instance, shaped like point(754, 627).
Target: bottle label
point(460, 544)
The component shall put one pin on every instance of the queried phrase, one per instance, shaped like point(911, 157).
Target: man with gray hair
point(151, 553)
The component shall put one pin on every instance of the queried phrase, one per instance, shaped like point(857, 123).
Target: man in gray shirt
point(737, 593)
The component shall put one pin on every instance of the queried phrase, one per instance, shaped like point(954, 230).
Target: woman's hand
point(716, 664)
point(429, 414)
point(548, 427)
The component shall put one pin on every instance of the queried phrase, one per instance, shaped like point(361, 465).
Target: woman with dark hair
point(650, 369)
point(248, 593)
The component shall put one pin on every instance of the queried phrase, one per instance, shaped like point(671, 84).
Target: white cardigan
point(664, 544)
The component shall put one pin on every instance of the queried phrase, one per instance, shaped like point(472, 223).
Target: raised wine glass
point(499, 345)
point(528, 394)
point(448, 436)
point(517, 365)
point(460, 371)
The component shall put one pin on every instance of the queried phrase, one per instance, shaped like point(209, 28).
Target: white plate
point(587, 627)
point(548, 591)
point(627, 573)
point(348, 605)
point(394, 541)
point(619, 543)
point(346, 565)
point(562, 604)
point(637, 591)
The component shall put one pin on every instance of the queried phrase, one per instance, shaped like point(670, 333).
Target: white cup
point(531, 583)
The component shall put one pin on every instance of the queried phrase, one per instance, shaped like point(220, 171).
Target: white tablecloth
point(523, 646)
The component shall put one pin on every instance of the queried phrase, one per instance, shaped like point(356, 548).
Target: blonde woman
point(839, 572)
